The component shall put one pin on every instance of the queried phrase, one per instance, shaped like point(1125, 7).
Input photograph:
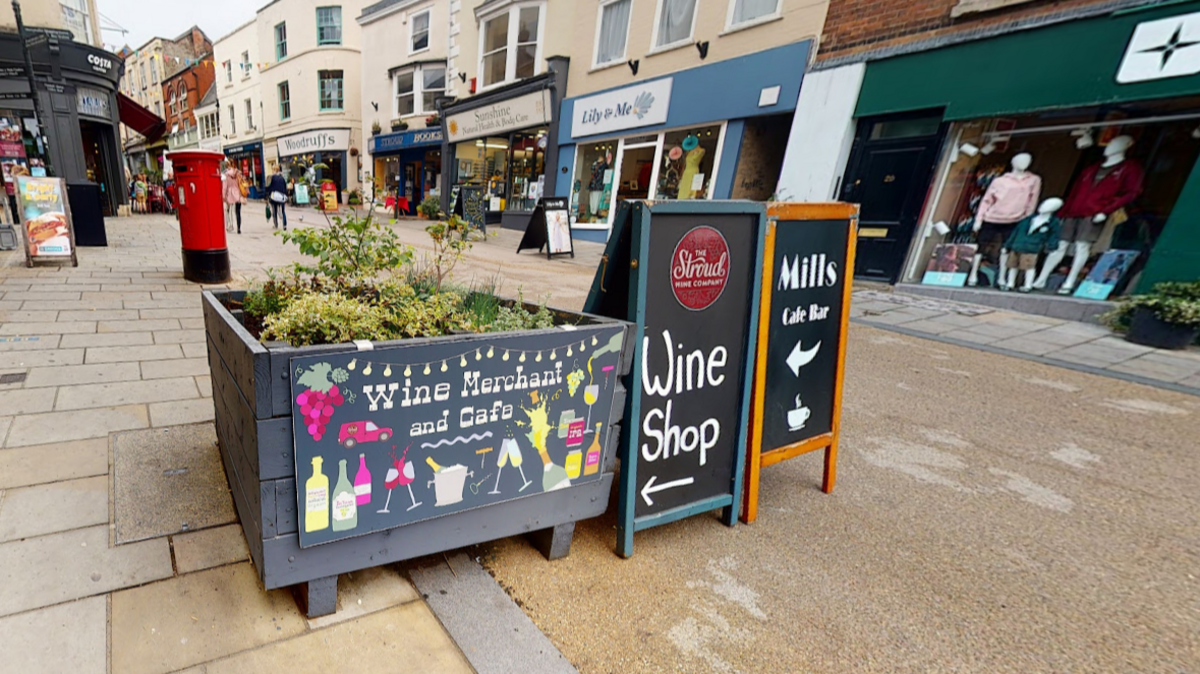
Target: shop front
point(1070, 172)
point(77, 88)
point(313, 157)
point(407, 166)
point(248, 158)
point(680, 137)
point(501, 140)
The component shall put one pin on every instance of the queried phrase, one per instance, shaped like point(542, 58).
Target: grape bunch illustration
point(321, 397)
point(574, 379)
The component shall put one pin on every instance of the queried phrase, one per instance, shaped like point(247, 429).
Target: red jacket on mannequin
point(1117, 189)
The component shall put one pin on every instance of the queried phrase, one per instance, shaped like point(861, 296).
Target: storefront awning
point(140, 119)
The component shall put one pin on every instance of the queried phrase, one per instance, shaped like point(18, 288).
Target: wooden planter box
point(253, 397)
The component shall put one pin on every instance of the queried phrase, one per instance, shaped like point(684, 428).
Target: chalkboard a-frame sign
point(549, 228)
point(688, 273)
point(801, 359)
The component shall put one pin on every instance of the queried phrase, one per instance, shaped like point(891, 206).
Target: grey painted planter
point(252, 396)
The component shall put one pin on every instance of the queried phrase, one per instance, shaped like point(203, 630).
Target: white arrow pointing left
point(650, 487)
point(798, 358)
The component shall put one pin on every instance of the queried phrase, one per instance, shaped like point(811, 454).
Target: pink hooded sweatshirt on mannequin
point(1010, 198)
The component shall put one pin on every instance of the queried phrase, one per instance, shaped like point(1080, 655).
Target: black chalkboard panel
point(473, 206)
point(803, 338)
point(688, 273)
point(440, 427)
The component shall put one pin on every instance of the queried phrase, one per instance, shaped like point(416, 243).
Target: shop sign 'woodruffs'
point(700, 268)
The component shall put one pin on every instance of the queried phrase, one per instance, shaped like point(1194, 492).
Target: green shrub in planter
point(1168, 317)
point(430, 207)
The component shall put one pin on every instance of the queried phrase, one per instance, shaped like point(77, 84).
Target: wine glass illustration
point(510, 452)
point(401, 473)
point(590, 392)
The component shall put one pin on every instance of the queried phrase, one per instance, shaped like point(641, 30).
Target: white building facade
point(238, 62)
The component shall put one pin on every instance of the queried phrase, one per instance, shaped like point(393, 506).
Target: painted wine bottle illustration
point(345, 507)
point(362, 482)
point(591, 464)
point(316, 498)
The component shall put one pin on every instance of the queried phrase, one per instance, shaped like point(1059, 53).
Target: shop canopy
point(140, 119)
point(1065, 65)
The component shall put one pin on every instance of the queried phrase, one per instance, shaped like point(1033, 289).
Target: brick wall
point(854, 26)
point(198, 79)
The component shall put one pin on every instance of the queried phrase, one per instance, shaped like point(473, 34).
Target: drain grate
point(15, 378)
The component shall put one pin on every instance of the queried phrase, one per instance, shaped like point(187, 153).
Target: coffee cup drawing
point(797, 417)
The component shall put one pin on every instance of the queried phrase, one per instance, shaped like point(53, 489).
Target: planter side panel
point(245, 357)
point(286, 563)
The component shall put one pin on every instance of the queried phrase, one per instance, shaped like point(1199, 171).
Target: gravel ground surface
point(992, 515)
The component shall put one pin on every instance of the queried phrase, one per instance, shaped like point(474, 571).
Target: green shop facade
point(937, 131)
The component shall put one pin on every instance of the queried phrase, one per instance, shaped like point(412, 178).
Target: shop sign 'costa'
point(700, 268)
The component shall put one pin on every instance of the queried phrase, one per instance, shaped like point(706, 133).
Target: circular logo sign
point(700, 268)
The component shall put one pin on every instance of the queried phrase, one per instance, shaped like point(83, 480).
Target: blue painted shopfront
point(407, 163)
point(716, 100)
point(248, 158)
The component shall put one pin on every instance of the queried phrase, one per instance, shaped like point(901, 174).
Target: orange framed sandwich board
point(801, 356)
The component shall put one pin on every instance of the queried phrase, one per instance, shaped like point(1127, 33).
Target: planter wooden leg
point(554, 543)
point(317, 597)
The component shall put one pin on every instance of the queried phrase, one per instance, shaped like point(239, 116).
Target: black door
point(888, 175)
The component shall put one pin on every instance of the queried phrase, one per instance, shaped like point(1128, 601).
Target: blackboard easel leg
point(554, 543)
point(317, 597)
point(830, 468)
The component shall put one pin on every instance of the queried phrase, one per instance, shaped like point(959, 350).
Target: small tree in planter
point(1166, 318)
point(359, 371)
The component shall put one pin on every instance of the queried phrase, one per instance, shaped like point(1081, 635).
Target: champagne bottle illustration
point(554, 476)
point(316, 498)
point(362, 482)
point(448, 482)
point(592, 462)
point(345, 508)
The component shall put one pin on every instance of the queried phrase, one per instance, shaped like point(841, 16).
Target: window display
point(512, 168)
point(688, 160)
point(592, 189)
point(1068, 204)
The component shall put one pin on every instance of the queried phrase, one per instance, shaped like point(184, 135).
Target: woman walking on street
point(277, 193)
point(231, 190)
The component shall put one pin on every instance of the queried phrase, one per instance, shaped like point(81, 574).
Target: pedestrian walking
point(277, 193)
point(139, 192)
point(231, 189)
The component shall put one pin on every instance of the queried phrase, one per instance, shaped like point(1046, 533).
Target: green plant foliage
point(1173, 302)
point(430, 207)
point(324, 318)
point(351, 249)
point(450, 244)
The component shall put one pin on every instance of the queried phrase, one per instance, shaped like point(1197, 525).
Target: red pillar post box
point(201, 213)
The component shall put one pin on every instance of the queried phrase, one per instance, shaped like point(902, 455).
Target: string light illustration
point(443, 364)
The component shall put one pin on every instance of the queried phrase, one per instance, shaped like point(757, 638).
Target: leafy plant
point(1174, 302)
point(399, 125)
point(517, 317)
point(375, 128)
point(450, 244)
point(351, 249)
point(430, 207)
point(354, 198)
point(268, 299)
point(325, 318)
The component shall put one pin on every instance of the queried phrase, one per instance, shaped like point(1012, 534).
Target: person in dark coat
point(277, 193)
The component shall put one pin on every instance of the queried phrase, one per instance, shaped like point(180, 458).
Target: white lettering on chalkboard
point(685, 372)
point(813, 271)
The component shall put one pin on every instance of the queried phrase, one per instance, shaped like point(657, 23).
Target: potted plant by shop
point(354, 197)
point(430, 207)
point(370, 409)
point(375, 129)
point(1168, 317)
point(399, 125)
point(432, 121)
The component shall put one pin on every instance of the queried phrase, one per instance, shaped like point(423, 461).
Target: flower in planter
point(399, 125)
point(433, 120)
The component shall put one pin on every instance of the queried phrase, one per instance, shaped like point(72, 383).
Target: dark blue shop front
point(712, 132)
point(408, 165)
point(248, 158)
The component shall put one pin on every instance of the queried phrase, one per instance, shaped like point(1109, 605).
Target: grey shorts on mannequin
point(1081, 229)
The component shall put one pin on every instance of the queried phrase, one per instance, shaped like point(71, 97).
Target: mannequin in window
point(1099, 191)
point(1010, 198)
point(596, 184)
point(691, 169)
point(1031, 237)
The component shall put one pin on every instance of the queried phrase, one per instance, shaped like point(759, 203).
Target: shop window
point(75, 18)
point(688, 163)
point(527, 162)
point(153, 70)
point(742, 12)
point(419, 25)
point(285, 101)
point(905, 128)
point(183, 99)
point(330, 88)
point(510, 44)
point(281, 41)
point(612, 32)
point(591, 193)
point(416, 89)
point(245, 64)
point(329, 25)
point(674, 23)
point(142, 68)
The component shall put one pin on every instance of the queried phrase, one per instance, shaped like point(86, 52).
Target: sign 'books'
point(688, 274)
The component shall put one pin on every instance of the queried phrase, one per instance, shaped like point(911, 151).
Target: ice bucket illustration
point(448, 484)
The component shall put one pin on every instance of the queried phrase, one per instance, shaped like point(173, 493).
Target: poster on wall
point(398, 435)
point(46, 218)
point(949, 264)
point(301, 193)
point(1108, 272)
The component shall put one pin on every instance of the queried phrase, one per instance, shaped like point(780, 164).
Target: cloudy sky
point(169, 18)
